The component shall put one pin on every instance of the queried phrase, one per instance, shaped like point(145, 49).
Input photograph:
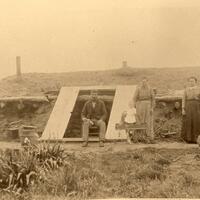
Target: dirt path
point(109, 147)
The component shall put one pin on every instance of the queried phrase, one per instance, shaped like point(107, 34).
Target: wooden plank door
point(61, 113)
point(123, 95)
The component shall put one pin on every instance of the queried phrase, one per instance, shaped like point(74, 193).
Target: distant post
point(124, 64)
point(18, 68)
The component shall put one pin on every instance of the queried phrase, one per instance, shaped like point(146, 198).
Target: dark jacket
point(98, 112)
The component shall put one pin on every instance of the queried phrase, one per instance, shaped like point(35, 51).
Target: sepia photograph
point(99, 99)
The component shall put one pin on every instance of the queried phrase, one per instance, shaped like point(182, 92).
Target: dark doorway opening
point(74, 126)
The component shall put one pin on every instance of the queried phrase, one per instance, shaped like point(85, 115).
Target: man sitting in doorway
point(94, 113)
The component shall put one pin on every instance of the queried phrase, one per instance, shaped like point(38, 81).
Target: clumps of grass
point(162, 160)
point(152, 168)
point(88, 176)
point(50, 156)
point(78, 177)
point(182, 185)
point(57, 182)
point(187, 180)
point(138, 156)
point(150, 172)
point(17, 173)
point(89, 180)
point(140, 137)
point(20, 170)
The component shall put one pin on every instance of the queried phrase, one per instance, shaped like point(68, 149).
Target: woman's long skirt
point(191, 121)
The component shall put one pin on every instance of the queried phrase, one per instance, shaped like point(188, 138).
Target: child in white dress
point(129, 118)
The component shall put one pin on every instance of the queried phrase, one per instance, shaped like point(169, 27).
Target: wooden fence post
point(18, 68)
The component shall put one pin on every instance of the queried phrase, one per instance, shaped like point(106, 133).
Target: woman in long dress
point(191, 111)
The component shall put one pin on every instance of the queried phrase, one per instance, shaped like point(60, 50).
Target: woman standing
point(191, 111)
point(144, 103)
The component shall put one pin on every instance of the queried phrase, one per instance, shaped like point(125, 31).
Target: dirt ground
point(109, 146)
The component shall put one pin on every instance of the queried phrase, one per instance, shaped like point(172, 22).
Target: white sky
point(71, 35)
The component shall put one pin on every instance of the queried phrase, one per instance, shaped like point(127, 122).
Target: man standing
point(94, 113)
point(144, 103)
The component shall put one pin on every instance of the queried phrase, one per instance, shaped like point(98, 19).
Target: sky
point(74, 35)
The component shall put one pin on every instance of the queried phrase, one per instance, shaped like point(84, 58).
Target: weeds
point(17, 174)
point(140, 173)
point(149, 173)
point(18, 171)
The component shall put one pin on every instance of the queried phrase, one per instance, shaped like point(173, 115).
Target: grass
point(137, 173)
point(36, 83)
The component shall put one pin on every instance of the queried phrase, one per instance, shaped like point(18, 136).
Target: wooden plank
point(95, 139)
point(24, 98)
point(61, 113)
point(98, 87)
point(123, 95)
point(102, 97)
point(79, 140)
point(169, 98)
